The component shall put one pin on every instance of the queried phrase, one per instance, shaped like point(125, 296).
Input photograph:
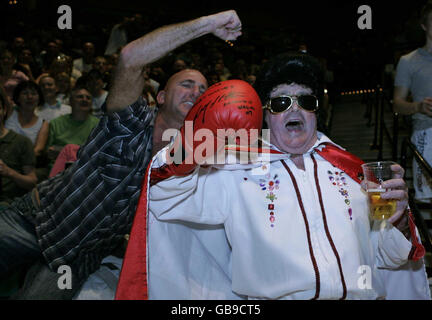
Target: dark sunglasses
point(281, 104)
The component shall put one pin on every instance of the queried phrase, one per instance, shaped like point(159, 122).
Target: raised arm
point(128, 80)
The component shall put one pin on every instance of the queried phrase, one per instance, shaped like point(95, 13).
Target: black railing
point(392, 136)
point(427, 169)
point(376, 104)
point(417, 155)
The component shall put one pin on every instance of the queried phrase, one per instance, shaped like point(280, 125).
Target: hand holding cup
point(387, 191)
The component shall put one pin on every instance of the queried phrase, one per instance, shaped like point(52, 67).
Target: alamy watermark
point(65, 20)
point(364, 282)
point(64, 282)
point(365, 20)
point(204, 147)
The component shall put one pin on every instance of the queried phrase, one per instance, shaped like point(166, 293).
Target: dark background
point(328, 28)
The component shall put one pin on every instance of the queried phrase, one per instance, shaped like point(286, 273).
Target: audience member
point(101, 64)
point(95, 85)
point(17, 160)
point(63, 84)
point(72, 128)
point(221, 70)
point(27, 97)
point(154, 85)
point(178, 65)
point(64, 64)
point(9, 77)
point(52, 107)
point(49, 55)
point(18, 45)
point(26, 64)
point(85, 62)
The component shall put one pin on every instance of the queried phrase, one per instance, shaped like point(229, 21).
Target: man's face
point(88, 49)
point(25, 56)
point(292, 131)
point(100, 64)
point(81, 100)
point(181, 92)
point(48, 86)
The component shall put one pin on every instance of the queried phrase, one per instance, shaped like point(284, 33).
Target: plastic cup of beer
point(375, 173)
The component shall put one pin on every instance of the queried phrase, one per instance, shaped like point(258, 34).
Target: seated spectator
point(26, 64)
point(64, 64)
point(17, 160)
point(95, 84)
point(101, 64)
point(63, 84)
point(85, 62)
point(18, 44)
point(179, 65)
point(72, 128)
point(9, 77)
point(52, 108)
point(67, 156)
point(49, 55)
point(27, 96)
point(222, 71)
point(151, 85)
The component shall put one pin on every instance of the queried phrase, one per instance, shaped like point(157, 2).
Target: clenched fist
point(225, 25)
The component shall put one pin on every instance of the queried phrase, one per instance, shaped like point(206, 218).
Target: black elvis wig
point(287, 68)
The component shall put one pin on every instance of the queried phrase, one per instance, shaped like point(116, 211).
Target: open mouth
point(294, 124)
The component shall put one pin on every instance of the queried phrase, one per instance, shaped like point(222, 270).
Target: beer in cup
point(375, 173)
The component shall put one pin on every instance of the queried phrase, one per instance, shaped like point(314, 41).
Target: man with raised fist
point(83, 214)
